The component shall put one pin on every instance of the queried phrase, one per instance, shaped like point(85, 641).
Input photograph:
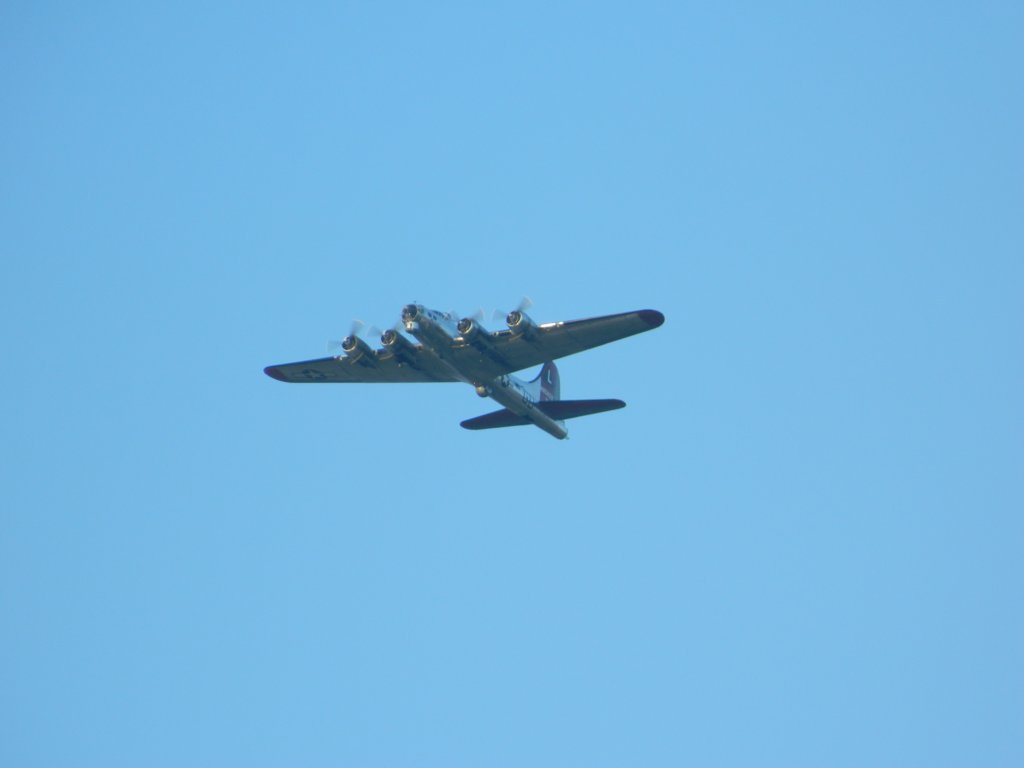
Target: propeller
point(478, 317)
point(357, 327)
point(524, 304)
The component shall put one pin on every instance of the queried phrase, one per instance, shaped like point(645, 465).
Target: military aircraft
point(453, 349)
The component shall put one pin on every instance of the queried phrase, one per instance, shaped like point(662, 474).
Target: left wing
point(370, 370)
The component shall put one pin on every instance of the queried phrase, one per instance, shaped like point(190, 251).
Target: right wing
point(375, 370)
point(551, 341)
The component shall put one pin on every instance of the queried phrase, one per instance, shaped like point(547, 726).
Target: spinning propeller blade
point(335, 344)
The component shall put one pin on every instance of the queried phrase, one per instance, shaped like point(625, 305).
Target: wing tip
point(652, 317)
point(275, 373)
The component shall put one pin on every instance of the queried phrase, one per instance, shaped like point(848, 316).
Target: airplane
point(454, 349)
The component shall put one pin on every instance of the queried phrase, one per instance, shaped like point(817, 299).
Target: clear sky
point(799, 545)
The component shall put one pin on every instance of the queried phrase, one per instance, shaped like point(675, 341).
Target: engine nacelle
point(520, 324)
point(470, 330)
point(397, 344)
point(356, 349)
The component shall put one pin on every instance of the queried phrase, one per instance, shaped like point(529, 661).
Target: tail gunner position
point(450, 349)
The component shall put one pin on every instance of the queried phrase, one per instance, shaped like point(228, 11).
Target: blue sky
point(799, 544)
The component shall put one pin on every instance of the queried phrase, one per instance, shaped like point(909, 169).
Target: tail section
point(538, 402)
point(559, 410)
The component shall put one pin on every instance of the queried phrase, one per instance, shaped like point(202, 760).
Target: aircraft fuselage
point(437, 330)
point(515, 395)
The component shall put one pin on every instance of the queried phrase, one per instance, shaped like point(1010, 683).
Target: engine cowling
point(470, 330)
point(396, 343)
point(520, 324)
point(356, 349)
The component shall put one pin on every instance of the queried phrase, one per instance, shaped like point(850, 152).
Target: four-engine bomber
point(452, 349)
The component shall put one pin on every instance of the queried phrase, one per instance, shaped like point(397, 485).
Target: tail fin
point(550, 383)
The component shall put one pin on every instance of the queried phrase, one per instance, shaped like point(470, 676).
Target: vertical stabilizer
point(550, 384)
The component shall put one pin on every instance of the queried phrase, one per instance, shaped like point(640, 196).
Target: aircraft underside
point(450, 349)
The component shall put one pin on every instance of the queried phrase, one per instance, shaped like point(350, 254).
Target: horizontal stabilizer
point(559, 410)
point(502, 418)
